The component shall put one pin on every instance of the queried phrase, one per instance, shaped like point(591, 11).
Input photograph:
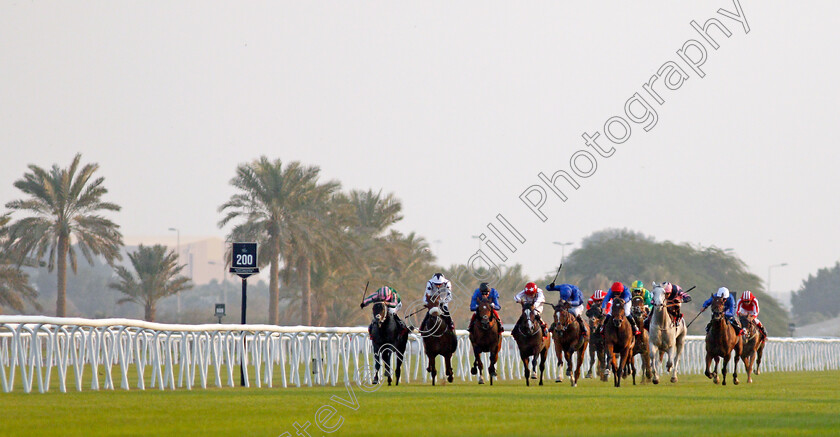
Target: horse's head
point(617, 312)
point(718, 307)
point(484, 312)
point(638, 307)
point(658, 295)
point(562, 316)
point(529, 315)
point(748, 322)
point(380, 313)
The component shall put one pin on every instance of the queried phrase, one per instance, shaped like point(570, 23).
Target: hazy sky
point(454, 106)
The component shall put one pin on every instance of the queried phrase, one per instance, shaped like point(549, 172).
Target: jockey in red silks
point(486, 292)
point(748, 306)
point(619, 290)
point(533, 295)
point(595, 301)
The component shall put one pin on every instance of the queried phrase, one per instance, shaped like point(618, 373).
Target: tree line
point(319, 242)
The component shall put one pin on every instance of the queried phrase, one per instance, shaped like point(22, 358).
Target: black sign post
point(243, 262)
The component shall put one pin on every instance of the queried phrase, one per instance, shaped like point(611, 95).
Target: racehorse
point(567, 341)
point(666, 336)
point(760, 352)
point(749, 344)
point(596, 342)
point(438, 339)
point(387, 336)
point(485, 336)
point(618, 339)
point(720, 342)
point(638, 311)
point(530, 341)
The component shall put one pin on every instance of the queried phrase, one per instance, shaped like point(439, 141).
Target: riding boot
point(647, 323)
point(763, 331)
point(634, 325)
point(553, 325)
point(472, 322)
point(401, 324)
point(708, 326)
point(499, 322)
point(607, 318)
point(583, 332)
point(449, 322)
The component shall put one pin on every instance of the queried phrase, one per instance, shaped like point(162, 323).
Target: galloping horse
point(720, 342)
point(666, 336)
point(438, 339)
point(749, 344)
point(485, 336)
point(759, 352)
point(618, 339)
point(387, 336)
point(596, 342)
point(529, 340)
point(638, 311)
point(567, 341)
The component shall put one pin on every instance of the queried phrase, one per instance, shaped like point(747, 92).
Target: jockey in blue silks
point(620, 290)
point(485, 291)
point(728, 309)
point(571, 293)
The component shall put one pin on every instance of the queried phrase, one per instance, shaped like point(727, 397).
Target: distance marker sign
point(243, 259)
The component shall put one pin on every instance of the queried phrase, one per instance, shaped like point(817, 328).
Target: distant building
point(204, 257)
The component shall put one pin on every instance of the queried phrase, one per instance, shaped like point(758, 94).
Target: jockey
point(595, 302)
point(676, 294)
point(532, 294)
point(486, 292)
point(729, 309)
point(390, 298)
point(748, 306)
point(637, 289)
point(620, 290)
point(441, 289)
point(571, 294)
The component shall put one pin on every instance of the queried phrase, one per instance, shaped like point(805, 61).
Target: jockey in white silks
point(533, 295)
point(439, 289)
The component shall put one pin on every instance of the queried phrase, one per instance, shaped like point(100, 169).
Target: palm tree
point(158, 276)
point(14, 284)
point(375, 213)
point(287, 211)
point(64, 204)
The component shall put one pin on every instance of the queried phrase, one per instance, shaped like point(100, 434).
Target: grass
point(804, 403)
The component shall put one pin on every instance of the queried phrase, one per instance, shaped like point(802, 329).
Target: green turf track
point(805, 403)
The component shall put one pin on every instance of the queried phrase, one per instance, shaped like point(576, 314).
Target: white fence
point(99, 352)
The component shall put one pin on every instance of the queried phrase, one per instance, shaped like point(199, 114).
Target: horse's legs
point(654, 365)
point(494, 356)
point(591, 361)
point(478, 365)
point(399, 367)
point(448, 360)
point(581, 357)
point(386, 363)
point(708, 364)
point(632, 362)
point(377, 358)
point(748, 363)
point(676, 358)
point(726, 364)
point(534, 367)
point(527, 369)
point(431, 369)
point(717, 363)
point(543, 356)
point(758, 355)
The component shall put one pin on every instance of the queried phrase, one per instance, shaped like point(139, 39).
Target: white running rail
point(106, 353)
